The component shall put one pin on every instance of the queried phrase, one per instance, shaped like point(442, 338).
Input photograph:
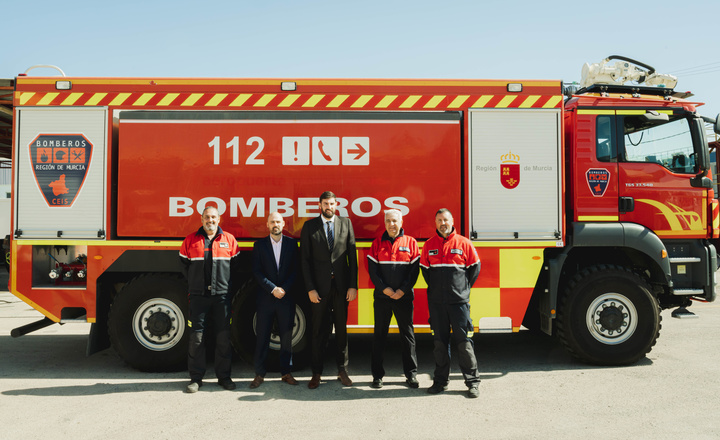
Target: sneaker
point(227, 383)
point(377, 383)
point(412, 382)
point(437, 388)
point(193, 387)
point(473, 391)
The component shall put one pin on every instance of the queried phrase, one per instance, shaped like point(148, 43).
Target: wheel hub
point(611, 318)
point(158, 324)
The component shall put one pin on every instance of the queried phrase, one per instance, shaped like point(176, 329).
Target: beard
point(328, 213)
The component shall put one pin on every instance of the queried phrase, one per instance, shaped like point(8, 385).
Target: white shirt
point(276, 247)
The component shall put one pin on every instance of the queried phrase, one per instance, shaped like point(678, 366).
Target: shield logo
point(510, 170)
point(598, 179)
point(60, 163)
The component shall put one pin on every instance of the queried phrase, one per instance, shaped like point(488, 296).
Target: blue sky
point(369, 39)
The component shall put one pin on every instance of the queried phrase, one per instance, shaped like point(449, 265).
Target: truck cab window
point(605, 150)
point(668, 143)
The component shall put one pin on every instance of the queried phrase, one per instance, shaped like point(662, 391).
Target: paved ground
point(530, 389)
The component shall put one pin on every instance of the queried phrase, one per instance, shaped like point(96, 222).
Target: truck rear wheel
point(608, 316)
point(147, 323)
point(244, 335)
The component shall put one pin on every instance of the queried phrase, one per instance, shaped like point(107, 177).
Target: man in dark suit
point(275, 266)
point(329, 264)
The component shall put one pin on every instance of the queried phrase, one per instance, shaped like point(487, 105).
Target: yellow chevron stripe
point(483, 100)
point(142, 100)
point(120, 98)
point(25, 97)
point(506, 101)
point(313, 100)
point(47, 99)
point(386, 101)
point(529, 101)
point(265, 100)
point(361, 101)
point(240, 100)
point(460, 100)
point(337, 101)
point(96, 98)
point(288, 101)
point(192, 99)
point(71, 99)
point(410, 101)
point(434, 101)
point(215, 100)
point(553, 102)
point(168, 99)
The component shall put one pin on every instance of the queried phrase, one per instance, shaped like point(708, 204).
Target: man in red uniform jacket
point(208, 257)
point(393, 265)
point(450, 266)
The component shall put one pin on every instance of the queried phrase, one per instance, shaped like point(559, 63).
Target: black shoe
point(412, 382)
point(473, 391)
point(193, 386)
point(437, 388)
point(377, 383)
point(228, 384)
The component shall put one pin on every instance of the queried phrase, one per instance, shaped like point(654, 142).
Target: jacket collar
point(386, 236)
point(450, 235)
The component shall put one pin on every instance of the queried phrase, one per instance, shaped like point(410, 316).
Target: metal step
point(684, 260)
point(688, 292)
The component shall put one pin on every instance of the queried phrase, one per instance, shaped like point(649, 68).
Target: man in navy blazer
point(330, 272)
point(275, 267)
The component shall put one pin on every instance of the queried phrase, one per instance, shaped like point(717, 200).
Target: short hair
point(443, 211)
point(327, 195)
point(210, 207)
point(395, 212)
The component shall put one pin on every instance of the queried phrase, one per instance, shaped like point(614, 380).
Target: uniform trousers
point(270, 308)
point(443, 317)
point(403, 311)
point(215, 308)
point(332, 309)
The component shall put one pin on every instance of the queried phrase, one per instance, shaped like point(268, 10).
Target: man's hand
point(389, 292)
point(351, 294)
point(278, 292)
point(398, 294)
point(314, 297)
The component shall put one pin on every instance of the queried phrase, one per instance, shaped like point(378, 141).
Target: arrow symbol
point(360, 151)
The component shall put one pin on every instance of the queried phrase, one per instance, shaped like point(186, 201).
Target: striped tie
point(331, 239)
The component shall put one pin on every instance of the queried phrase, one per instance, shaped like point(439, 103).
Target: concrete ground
point(531, 389)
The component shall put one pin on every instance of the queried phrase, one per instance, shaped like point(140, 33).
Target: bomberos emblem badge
point(60, 163)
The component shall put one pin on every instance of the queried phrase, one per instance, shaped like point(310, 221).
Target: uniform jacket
point(394, 263)
point(319, 265)
point(225, 257)
point(266, 271)
point(450, 267)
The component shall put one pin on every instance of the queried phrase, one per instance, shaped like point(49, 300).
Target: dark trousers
point(443, 317)
point(332, 309)
point(268, 309)
point(215, 308)
point(403, 311)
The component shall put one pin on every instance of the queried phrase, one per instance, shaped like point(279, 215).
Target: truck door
point(60, 172)
point(659, 162)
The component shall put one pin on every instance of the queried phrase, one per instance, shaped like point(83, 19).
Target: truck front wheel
point(147, 323)
point(608, 316)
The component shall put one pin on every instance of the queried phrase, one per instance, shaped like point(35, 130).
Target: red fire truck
point(591, 211)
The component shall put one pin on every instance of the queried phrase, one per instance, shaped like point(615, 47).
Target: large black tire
point(147, 323)
point(608, 316)
point(244, 336)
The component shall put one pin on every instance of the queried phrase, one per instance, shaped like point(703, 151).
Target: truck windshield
point(668, 143)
